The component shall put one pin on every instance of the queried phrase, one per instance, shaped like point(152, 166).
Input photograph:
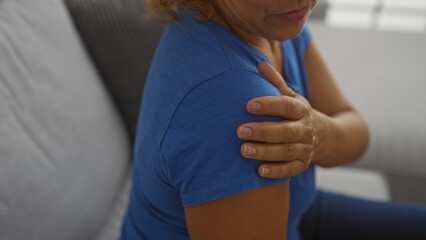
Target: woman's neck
point(270, 48)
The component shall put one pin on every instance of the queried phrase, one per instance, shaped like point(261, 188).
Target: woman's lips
point(294, 16)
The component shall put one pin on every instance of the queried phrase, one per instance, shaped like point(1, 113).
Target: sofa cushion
point(64, 152)
point(121, 42)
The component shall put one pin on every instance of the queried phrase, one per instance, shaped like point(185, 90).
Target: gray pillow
point(121, 43)
point(64, 152)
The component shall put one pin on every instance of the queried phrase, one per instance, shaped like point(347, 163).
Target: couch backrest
point(64, 151)
point(121, 42)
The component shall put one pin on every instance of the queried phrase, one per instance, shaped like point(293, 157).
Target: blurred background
point(376, 50)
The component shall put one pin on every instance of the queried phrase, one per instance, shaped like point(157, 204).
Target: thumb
point(275, 78)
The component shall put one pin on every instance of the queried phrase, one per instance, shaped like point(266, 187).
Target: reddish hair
point(165, 10)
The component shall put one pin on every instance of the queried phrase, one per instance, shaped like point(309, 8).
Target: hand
point(291, 143)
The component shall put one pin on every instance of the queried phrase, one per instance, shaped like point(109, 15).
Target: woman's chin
point(288, 34)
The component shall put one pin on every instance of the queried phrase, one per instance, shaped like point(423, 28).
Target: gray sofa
point(64, 150)
point(71, 78)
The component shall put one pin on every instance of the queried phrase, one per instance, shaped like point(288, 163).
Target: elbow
point(363, 135)
point(365, 138)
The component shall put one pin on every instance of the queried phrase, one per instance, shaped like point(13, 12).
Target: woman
point(193, 176)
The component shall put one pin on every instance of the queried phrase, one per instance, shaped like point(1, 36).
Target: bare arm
point(257, 214)
point(344, 134)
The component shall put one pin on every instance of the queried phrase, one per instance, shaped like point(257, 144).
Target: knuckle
point(304, 167)
point(283, 155)
point(292, 169)
point(282, 130)
point(291, 132)
point(291, 106)
point(262, 152)
point(268, 153)
point(263, 131)
point(282, 99)
point(310, 130)
point(288, 152)
point(305, 152)
point(301, 166)
point(308, 133)
point(287, 132)
point(305, 109)
point(282, 103)
point(309, 149)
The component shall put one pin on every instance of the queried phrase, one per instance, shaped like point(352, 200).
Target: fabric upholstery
point(121, 42)
point(64, 151)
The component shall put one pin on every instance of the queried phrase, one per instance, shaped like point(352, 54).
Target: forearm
point(342, 138)
point(261, 213)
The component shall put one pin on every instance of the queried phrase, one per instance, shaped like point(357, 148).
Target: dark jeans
point(338, 217)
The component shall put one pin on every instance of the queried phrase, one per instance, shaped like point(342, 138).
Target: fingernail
point(254, 106)
point(245, 132)
point(249, 150)
point(266, 171)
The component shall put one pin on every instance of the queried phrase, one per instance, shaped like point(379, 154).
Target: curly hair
point(165, 10)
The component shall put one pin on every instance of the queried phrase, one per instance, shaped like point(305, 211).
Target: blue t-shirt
point(187, 151)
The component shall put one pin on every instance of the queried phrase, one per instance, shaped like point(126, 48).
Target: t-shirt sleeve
point(201, 149)
point(302, 41)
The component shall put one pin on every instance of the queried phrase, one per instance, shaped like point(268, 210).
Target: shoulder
point(199, 51)
point(225, 94)
point(201, 147)
point(189, 52)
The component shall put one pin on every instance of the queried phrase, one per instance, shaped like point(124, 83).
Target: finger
point(272, 132)
point(276, 152)
point(275, 78)
point(283, 106)
point(283, 169)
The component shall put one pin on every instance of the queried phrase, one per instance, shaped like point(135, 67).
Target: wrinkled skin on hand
point(290, 143)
